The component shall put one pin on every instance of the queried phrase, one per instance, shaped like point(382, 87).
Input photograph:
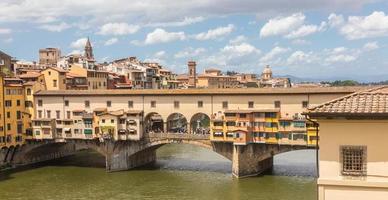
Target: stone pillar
point(250, 160)
point(3, 153)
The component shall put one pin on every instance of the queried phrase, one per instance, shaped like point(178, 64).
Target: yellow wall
point(50, 75)
point(369, 133)
point(12, 120)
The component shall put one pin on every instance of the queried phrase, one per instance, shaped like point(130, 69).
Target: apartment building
point(48, 57)
point(15, 120)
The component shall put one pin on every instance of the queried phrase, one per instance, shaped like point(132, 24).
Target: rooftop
point(371, 103)
point(229, 91)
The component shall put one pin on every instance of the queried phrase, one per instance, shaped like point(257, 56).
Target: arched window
point(28, 91)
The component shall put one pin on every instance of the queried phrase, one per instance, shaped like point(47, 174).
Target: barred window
point(176, 104)
point(353, 159)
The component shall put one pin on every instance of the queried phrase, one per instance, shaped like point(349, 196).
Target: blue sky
point(319, 39)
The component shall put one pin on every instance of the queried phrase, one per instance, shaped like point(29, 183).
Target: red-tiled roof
point(372, 102)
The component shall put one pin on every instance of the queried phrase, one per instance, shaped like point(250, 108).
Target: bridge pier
point(251, 160)
point(3, 154)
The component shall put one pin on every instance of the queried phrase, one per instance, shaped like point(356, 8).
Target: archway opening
point(295, 163)
point(176, 123)
point(190, 157)
point(200, 124)
point(154, 123)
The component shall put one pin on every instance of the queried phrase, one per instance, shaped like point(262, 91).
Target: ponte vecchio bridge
point(128, 126)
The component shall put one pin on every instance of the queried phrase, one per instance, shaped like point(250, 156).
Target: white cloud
point(299, 57)
point(272, 56)
point(290, 27)
point(282, 25)
point(79, 44)
point(189, 52)
point(118, 29)
point(215, 33)
point(335, 20)
point(306, 30)
point(358, 27)
point(370, 46)
point(340, 55)
point(160, 54)
point(76, 51)
point(55, 27)
point(161, 36)
point(186, 21)
point(238, 40)
point(111, 41)
point(240, 49)
point(5, 31)
point(149, 11)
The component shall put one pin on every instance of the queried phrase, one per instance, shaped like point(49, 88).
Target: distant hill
point(361, 79)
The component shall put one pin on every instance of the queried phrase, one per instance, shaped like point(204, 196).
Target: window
point(87, 104)
point(19, 128)
point(8, 114)
point(8, 103)
point(68, 114)
point(49, 114)
point(243, 115)
point(28, 104)
point(153, 104)
point(112, 121)
point(230, 123)
point(277, 104)
point(305, 104)
point(230, 114)
point(270, 115)
point(200, 104)
point(18, 115)
point(58, 114)
point(66, 102)
point(28, 91)
point(353, 159)
point(224, 104)
point(54, 83)
point(108, 104)
point(17, 102)
point(130, 104)
point(40, 103)
point(122, 121)
point(176, 104)
point(299, 124)
point(39, 114)
point(8, 126)
point(250, 104)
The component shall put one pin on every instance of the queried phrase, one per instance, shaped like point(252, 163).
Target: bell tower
point(89, 50)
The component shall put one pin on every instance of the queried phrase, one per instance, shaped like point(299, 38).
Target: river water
point(181, 172)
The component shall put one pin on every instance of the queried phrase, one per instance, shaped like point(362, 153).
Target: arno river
point(181, 172)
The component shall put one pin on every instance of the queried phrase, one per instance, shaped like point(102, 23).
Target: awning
point(88, 131)
point(66, 129)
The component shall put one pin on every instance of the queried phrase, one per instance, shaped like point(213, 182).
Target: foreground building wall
point(371, 134)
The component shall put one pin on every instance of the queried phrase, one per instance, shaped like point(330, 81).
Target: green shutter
point(88, 131)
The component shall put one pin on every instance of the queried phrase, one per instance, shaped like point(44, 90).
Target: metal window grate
point(353, 159)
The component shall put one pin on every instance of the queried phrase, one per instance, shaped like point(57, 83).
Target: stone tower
point(192, 67)
point(89, 50)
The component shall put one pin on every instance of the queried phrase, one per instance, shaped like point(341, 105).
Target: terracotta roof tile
point(368, 102)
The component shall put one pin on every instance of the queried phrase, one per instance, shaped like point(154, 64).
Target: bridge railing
point(178, 136)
